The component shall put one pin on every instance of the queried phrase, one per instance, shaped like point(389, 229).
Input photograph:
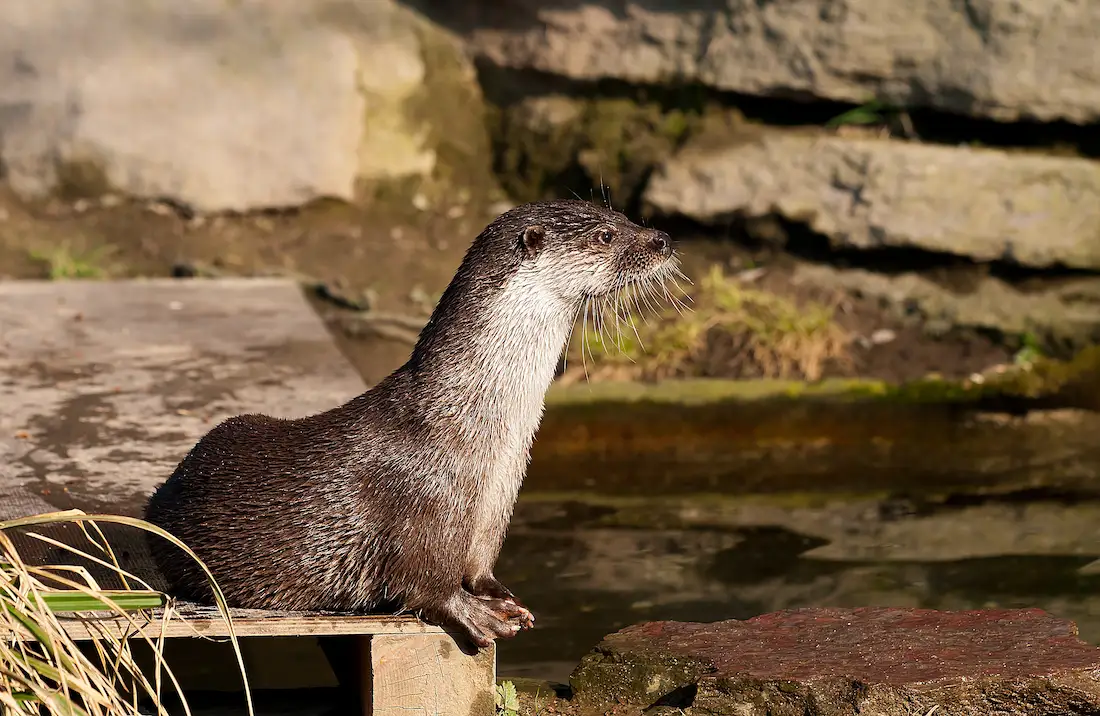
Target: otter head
point(586, 250)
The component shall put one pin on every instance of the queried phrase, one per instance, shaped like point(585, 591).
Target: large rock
point(1005, 59)
point(1024, 208)
point(212, 104)
point(842, 662)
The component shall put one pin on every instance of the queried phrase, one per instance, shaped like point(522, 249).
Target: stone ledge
point(988, 205)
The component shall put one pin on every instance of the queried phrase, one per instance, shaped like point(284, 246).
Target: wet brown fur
point(399, 499)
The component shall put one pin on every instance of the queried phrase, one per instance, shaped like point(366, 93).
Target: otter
point(399, 499)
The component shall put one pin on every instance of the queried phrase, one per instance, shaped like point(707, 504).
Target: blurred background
point(886, 389)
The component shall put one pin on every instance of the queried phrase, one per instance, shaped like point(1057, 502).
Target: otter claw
point(485, 619)
point(496, 592)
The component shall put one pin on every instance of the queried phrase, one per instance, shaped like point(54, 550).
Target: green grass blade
point(42, 667)
point(72, 601)
point(30, 625)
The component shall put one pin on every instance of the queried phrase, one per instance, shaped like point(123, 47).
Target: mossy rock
point(643, 676)
point(458, 141)
point(460, 138)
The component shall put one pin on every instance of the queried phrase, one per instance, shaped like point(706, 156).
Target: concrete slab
point(104, 386)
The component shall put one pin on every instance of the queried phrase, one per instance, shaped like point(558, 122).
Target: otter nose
point(660, 242)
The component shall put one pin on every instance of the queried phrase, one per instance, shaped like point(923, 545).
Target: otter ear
point(532, 240)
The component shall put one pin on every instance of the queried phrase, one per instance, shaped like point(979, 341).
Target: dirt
point(397, 252)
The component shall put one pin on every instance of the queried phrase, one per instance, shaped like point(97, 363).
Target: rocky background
point(923, 175)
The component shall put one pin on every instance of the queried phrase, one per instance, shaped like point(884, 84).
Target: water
point(588, 568)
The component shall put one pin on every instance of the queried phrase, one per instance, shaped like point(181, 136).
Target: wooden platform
point(105, 385)
point(191, 620)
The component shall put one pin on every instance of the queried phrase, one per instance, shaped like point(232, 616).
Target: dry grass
point(42, 669)
point(731, 330)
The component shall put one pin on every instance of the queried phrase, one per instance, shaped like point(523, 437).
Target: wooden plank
point(191, 620)
point(427, 674)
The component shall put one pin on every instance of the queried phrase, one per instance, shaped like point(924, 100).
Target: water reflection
point(587, 570)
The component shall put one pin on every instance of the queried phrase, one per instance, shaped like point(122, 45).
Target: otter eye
point(605, 236)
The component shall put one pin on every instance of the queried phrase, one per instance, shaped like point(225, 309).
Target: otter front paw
point(482, 619)
point(490, 588)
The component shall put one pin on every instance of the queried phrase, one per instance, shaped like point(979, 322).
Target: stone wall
point(972, 133)
point(1003, 59)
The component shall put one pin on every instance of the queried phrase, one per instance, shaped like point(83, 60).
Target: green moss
point(1044, 378)
point(696, 391)
point(549, 145)
point(531, 156)
point(81, 179)
point(635, 676)
point(460, 138)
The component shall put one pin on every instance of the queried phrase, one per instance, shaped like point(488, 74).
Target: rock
point(882, 336)
point(988, 205)
point(1064, 315)
point(842, 662)
point(214, 105)
point(1004, 59)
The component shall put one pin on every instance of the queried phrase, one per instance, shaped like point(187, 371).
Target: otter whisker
point(676, 275)
point(609, 308)
point(616, 308)
point(672, 300)
point(660, 283)
point(679, 305)
point(646, 291)
point(618, 321)
point(634, 327)
point(677, 272)
point(686, 300)
point(601, 309)
point(685, 294)
point(637, 304)
point(584, 337)
point(599, 320)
